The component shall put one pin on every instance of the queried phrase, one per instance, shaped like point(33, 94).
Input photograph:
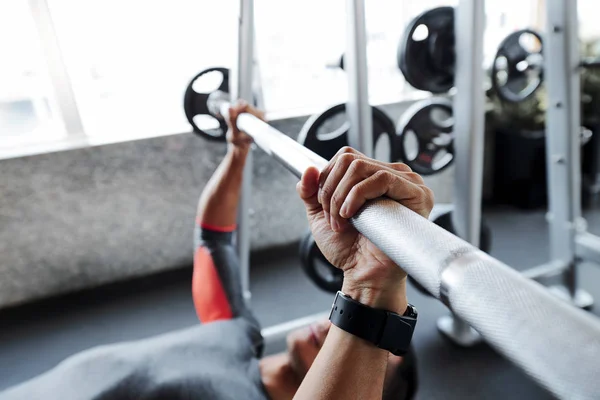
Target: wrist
point(385, 296)
point(238, 153)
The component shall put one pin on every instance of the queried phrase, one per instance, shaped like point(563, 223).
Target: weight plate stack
point(327, 132)
point(426, 53)
point(517, 70)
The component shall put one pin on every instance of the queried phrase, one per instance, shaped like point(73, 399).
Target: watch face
point(411, 311)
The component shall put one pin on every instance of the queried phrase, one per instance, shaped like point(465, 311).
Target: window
point(588, 19)
point(298, 45)
point(130, 61)
point(127, 63)
point(27, 108)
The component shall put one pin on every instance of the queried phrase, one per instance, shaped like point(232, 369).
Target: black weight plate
point(317, 268)
point(445, 221)
point(196, 103)
point(426, 53)
point(424, 136)
point(517, 71)
point(327, 132)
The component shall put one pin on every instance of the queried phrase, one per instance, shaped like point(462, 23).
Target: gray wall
point(77, 219)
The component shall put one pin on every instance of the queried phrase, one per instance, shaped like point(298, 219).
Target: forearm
point(347, 366)
point(219, 201)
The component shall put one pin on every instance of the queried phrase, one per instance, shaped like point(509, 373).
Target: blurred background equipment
point(327, 132)
point(317, 268)
point(195, 103)
point(517, 69)
point(425, 134)
point(426, 52)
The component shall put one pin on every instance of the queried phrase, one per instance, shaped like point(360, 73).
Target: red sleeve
point(210, 299)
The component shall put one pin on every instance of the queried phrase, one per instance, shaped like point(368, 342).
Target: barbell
point(510, 311)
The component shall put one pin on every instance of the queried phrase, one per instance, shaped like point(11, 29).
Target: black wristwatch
point(385, 329)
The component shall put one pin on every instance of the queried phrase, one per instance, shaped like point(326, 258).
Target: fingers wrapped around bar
point(351, 178)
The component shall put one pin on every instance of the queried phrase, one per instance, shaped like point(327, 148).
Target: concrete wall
point(81, 218)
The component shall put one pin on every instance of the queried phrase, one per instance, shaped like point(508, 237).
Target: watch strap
point(385, 329)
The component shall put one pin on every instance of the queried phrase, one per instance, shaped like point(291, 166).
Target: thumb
point(308, 188)
point(232, 120)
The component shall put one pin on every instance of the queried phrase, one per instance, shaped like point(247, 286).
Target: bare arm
point(219, 201)
point(348, 367)
point(331, 376)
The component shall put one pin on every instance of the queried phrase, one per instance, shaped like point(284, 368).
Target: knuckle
point(430, 197)
point(358, 164)
point(325, 192)
point(346, 150)
point(383, 176)
point(346, 159)
point(426, 196)
point(357, 192)
point(414, 177)
point(336, 200)
point(401, 167)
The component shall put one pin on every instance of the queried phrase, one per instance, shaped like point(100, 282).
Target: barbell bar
point(553, 342)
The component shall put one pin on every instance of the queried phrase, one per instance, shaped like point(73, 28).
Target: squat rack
point(469, 115)
point(358, 108)
point(569, 241)
point(507, 309)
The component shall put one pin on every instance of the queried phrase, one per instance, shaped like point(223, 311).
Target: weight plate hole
point(207, 123)
point(420, 33)
point(530, 43)
point(208, 82)
point(341, 312)
point(501, 63)
point(440, 159)
point(441, 117)
point(411, 145)
point(333, 130)
point(522, 66)
point(442, 140)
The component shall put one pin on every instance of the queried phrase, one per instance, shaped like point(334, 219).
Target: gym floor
point(37, 336)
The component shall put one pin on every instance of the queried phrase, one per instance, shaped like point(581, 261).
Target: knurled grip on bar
point(556, 344)
point(553, 342)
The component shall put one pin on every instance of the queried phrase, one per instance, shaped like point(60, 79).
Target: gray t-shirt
point(213, 361)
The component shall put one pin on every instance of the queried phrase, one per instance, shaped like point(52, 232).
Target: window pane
point(130, 61)
point(27, 109)
point(298, 44)
point(589, 27)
